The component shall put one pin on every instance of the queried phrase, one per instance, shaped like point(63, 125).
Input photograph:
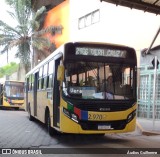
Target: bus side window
point(45, 83)
point(50, 84)
point(50, 74)
point(45, 69)
point(27, 84)
point(45, 73)
point(30, 83)
point(40, 78)
point(42, 83)
point(51, 67)
point(39, 83)
point(40, 72)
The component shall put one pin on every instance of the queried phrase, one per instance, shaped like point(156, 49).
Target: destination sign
point(87, 51)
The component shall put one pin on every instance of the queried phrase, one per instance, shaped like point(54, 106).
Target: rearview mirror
point(60, 73)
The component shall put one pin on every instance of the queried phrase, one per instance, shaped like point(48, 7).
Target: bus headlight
point(66, 112)
point(131, 116)
point(74, 117)
point(70, 115)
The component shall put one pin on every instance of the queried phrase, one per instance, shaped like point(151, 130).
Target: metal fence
point(145, 92)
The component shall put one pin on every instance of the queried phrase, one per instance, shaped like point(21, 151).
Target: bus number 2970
point(95, 117)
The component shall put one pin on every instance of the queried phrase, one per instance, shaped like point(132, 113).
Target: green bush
point(9, 69)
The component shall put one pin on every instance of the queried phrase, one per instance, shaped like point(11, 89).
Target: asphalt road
point(16, 131)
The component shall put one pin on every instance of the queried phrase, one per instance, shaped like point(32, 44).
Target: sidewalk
point(147, 128)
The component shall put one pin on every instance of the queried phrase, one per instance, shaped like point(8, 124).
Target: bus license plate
point(104, 127)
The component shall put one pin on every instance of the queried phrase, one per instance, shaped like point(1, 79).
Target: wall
point(59, 16)
point(147, 60)
point(119, 25)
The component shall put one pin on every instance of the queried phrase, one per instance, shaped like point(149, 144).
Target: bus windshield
point(14, 90)
point(97, 80)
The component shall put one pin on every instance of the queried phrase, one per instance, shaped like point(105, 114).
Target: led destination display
point(87, 51)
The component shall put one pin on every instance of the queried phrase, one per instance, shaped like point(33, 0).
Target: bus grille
point(93, 125)
point(103, 107)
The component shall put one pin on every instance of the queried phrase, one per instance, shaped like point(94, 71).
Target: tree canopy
point(8, 69)
point(28, 35)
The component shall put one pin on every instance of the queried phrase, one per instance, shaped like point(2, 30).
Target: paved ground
point(17, 127)
point(148, 126)
point(16, 131)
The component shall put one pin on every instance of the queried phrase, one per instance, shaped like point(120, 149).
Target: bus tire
point(50, 130)
point(16, 108)
point(31, 118)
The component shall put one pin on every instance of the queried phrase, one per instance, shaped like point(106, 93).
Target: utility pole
point(155, 37)
point(7, 56)
point(155, 63)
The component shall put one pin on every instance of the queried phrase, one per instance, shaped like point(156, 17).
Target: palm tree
point(26, 36)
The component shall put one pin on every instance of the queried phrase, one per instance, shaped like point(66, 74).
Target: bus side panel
point(30, 102)
point(41, 104)
point(1, 94)
point(5, 103)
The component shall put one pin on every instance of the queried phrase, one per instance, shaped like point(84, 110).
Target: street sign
point(154, 62)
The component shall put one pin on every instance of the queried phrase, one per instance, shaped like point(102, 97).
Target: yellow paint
point(69, 126)
point(17, 103)
point(108, 116)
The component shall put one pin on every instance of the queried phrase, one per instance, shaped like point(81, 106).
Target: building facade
point(146, 98)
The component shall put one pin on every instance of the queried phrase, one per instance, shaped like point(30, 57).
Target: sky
point(4, 16)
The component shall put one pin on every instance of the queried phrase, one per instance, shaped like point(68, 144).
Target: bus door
point(27, 88)
point(1, 94)
point(56, 96)
point(35, 92)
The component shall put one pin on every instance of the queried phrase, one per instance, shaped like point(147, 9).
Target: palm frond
point(4, 41)
point(41, 43)
point(5, 48)
point(15, 43)
point(38, 18)
point(11, 14)
point(23, 52)
point(52, 30)
point(8, 28)
point(39, 13)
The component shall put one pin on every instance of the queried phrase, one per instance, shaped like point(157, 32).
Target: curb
point(144, 132)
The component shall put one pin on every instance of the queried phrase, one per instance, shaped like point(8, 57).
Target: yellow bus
point(12, 94)
point(84, 88)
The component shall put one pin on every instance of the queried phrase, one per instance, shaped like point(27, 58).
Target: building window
point(89, 19)
point(81, 23)
point(95, 16)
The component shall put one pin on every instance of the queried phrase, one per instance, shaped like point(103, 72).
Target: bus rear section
point(93, 89)
point(13, 95)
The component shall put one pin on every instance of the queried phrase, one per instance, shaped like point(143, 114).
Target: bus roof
point(53, 54)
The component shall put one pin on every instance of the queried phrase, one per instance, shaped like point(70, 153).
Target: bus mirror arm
point(60, 73)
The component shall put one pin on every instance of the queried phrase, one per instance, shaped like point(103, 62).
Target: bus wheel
point(31, 118)
point(16, 108)
point(50, 130)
